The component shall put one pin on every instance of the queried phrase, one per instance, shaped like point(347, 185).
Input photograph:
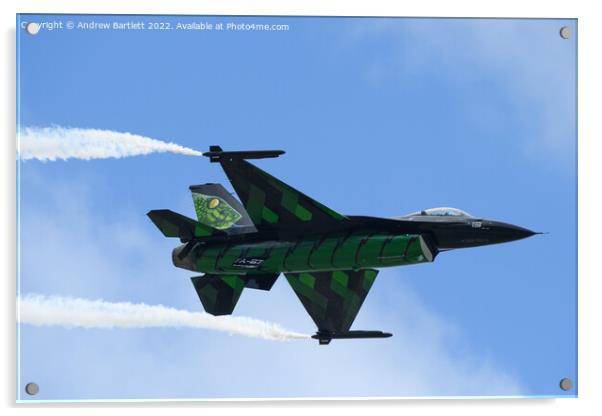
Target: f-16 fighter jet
point(329, 259)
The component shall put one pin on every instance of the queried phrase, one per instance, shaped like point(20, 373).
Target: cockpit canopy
point(440, 212)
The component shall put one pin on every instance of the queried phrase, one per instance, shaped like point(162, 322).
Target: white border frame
point(589, 197)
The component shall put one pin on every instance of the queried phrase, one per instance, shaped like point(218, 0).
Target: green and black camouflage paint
point(336, 252)
point(329, 264)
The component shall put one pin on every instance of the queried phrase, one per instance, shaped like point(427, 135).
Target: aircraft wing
point(271, 203)
point(333, 299)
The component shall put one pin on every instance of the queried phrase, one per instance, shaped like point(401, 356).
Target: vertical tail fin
point(216, 208)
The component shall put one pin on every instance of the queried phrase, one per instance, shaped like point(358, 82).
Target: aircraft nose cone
point(509, 232)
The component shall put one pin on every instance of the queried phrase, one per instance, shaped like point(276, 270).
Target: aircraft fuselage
point(367, 243)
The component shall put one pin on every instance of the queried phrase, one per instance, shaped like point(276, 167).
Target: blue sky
point(378, 117)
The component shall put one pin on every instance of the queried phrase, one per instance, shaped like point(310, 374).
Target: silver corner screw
point(565, 32)
point(32, 389)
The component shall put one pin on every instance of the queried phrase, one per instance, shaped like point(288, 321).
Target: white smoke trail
point(68, 312)
point(52, 143)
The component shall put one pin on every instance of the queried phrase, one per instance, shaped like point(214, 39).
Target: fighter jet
point(329, 259)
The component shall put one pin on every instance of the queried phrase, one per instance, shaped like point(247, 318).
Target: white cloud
point(524, 59)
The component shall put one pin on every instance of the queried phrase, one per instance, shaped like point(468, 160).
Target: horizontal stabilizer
point(324, 337)
point(219, 294)
point(216, 154)
point(172, 224)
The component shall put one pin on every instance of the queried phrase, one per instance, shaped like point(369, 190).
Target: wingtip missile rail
point(216, 154)
point(324, 337)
